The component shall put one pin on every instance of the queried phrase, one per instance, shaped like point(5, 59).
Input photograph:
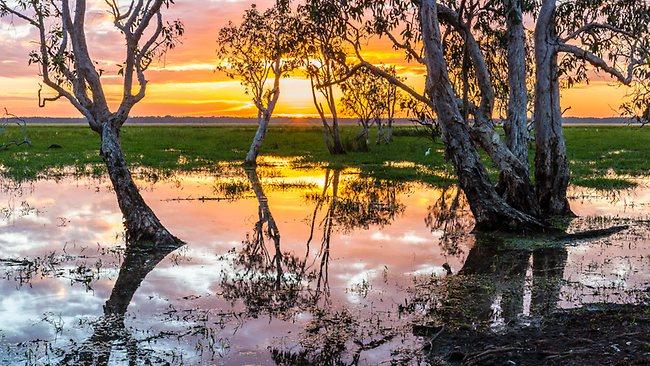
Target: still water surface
point(286, 265)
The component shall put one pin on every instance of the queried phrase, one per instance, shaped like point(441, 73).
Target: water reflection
point(509, 285)
point(109, 331)
point(267, 280)
point(286, 265)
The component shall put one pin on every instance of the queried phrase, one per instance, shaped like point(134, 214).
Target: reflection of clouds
point(427, 270)
point(25, 313)
point(196, 278)
point(411, 237)
point(373, 266)
point(380, 236)
point(359, 284)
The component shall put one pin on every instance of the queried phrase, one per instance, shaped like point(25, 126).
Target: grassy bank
point(594, 152)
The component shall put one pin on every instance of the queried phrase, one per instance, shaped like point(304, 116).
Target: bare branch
point(600, 63)
point(587, 28)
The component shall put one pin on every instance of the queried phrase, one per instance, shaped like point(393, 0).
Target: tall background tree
point(66, 67)
point(259, 52)
point(614, 38)
point(363, 94)
point(324, 54)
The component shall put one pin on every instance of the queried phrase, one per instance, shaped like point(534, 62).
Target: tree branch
point(600, 63)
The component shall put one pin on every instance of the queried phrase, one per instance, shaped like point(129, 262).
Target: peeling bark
point(515, 185)
point(551, 163)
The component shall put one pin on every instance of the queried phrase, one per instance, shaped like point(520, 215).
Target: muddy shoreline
point(604, 335)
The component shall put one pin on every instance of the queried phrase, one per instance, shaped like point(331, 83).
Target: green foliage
point(263, 44)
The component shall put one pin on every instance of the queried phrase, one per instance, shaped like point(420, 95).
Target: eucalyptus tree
point(613, 37)
point(261, 50)
point(460, 86)
point(67, 68)
point(323, 53)
point(422, 42)
point(392, 100)
point(362, 98)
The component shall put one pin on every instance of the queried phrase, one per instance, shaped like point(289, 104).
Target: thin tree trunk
point(388, 133)
point(363, 137)
point(380, 132)
point(489, 208)
point(263, 120)
point(520, 194)
point(141, 223)
point(337, 144)
point(551, 163)
point(516, 124)
point(331, 135)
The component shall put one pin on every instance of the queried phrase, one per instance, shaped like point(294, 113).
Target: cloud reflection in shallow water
point(272, 254)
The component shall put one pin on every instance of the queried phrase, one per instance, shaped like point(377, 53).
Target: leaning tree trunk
point(141, 223)
point(490, 210)
point(262, 126)
point(551, 163)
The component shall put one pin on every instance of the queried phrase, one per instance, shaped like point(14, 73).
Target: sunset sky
point(186, 83)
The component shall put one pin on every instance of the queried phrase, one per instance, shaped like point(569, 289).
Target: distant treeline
point(281, 120)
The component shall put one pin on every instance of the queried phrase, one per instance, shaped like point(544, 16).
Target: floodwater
point(288, 265)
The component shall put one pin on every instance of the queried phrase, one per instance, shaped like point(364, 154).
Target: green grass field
point(594, 152)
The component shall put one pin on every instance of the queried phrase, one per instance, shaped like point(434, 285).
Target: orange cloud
point(185, 83)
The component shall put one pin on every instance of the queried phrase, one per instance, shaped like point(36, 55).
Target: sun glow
point(185, 83)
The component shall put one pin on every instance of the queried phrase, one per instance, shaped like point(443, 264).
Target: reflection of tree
point(265, 282)
point(450, 214)
point(109, 330)
point(366, 202)
point(332, 178)
point(497, 285)
point(359, 202)
point(335, 338)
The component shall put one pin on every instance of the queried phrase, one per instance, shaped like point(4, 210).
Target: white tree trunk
point(263, 120)
point(489, 208)
point(516, 125)
point(551, 163)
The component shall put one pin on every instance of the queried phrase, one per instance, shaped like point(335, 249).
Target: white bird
point(428, 152)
